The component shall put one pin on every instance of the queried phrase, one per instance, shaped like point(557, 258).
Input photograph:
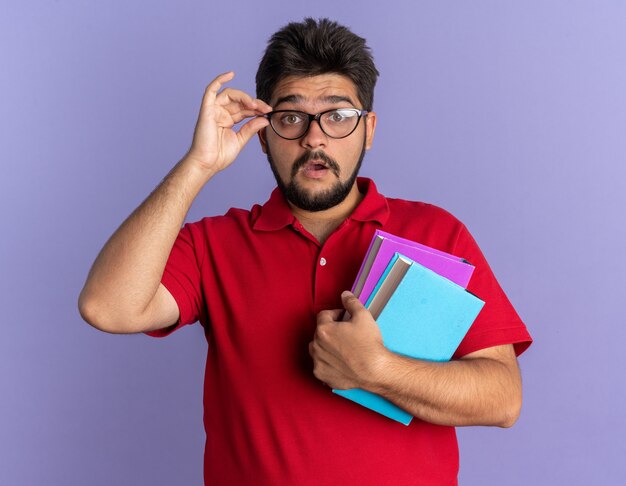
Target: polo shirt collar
point(276, 214)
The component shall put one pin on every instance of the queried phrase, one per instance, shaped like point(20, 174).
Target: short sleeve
point(497, 323)
point(182, 277)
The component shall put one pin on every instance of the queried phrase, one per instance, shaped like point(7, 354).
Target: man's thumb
point(351, 303)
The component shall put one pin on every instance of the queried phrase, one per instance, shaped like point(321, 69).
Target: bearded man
point(269, 286)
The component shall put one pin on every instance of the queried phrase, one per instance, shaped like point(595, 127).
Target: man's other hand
point(347, 354)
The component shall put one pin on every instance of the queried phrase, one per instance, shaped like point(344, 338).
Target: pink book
point(382, 249)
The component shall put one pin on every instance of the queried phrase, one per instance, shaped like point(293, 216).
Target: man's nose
point(314, 137)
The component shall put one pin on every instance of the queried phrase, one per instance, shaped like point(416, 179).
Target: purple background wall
point(509, 114)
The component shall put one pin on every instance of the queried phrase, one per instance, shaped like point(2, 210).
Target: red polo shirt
point(256, 280)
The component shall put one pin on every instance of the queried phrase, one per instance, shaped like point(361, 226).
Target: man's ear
point(370, 128)
point(262, 139)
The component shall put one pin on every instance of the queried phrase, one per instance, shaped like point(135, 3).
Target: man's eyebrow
point(293, 98)
point(338, 99)
point(296, 98)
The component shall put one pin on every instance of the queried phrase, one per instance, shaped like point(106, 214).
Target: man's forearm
point(122, 292)
point(126, 274)
point(483, 389)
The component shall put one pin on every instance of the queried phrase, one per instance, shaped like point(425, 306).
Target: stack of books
point(418, 297)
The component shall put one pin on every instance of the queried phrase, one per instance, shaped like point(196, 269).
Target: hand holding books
point(420, 305)
point(345, 351)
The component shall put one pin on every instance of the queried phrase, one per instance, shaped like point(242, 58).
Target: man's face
point(317, 172)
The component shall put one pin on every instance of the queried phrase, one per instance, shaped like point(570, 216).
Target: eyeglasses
point(337, 123)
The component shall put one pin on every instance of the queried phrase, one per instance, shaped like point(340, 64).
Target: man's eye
point(290, 119)
point(340, 116)
point(336, 116)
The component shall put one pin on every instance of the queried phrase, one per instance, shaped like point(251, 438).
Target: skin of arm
point(481, 388)
point(123, 293)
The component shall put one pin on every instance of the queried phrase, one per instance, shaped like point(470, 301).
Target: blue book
point(421, 315)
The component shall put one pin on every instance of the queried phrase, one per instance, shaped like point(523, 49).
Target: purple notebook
point(385, 245)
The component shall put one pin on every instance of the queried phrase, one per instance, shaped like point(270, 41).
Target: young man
point(267, 285)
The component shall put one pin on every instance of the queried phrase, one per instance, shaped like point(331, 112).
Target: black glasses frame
point(315, 117)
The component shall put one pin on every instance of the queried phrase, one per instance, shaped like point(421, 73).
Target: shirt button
point(322, 261)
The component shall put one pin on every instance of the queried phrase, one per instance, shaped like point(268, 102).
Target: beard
point(299, 197)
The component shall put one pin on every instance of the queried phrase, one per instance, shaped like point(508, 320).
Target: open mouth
point(317, 166)
point(315, 169)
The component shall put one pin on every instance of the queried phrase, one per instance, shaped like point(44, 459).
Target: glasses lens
point(290, 124)
point(340, 123)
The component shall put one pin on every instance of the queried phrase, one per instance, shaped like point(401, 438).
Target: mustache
point(317, 155)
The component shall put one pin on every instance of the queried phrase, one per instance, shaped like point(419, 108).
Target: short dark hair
point(311, 48)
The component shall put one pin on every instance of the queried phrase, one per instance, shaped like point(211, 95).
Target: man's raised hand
point(215, 144)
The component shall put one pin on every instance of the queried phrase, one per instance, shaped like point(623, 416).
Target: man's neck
point(322, 223)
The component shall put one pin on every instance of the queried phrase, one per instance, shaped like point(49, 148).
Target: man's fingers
point(351, 303)
point(262, 106)
point(250, 128)
point(331, 315)
point(242, 115)
point(237, 105)
point(214, 86)
point(229, 95)
point(234, 99)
